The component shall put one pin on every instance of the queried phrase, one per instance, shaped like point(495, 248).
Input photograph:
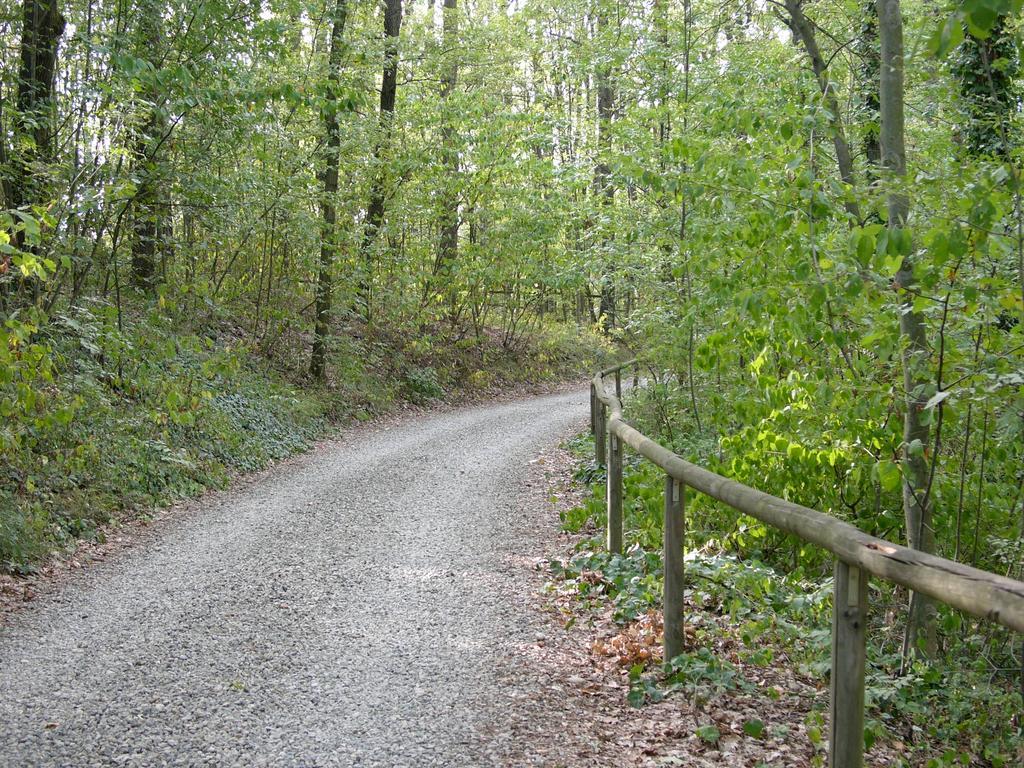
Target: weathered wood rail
point(858, 556)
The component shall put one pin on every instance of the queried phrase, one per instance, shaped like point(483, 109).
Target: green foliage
point(708, 734)
point(643, 507)
point(761, 288)
point(980, 19)
point(423, 385)
point(118, 420)
point(754, 728)
point(954, 707)
point(249, 430)
point(986, 70)
point(631, 582)
point(102, 422)
point(701, 675)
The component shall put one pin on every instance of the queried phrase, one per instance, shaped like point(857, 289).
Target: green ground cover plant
point(960, 708)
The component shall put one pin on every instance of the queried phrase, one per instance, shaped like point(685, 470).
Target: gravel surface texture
point(359, 606)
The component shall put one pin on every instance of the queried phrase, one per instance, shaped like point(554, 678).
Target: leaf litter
point(771, 716)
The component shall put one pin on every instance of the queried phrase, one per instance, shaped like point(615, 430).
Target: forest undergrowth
point(105, 420)
point(758, 625)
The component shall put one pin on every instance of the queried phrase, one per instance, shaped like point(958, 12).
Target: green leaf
point(902, 241)
point(754, 728)
point(30, 224)
point(865, 247)
point(980, 21)
point(889, 475)
point(891, 263)
point(947, 36)
point(708, 733)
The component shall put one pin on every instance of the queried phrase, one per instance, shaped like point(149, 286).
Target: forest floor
point(588, 657)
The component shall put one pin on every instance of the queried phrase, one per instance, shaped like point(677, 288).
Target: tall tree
point(151, 225)
point(378, 192)
point(867, 48)
point(42, 27)
point(603, 186)
point(917, 506)
point(448, 240)
point(328, 203)
point(665, 86)
point(804, 31)
point(34, 124)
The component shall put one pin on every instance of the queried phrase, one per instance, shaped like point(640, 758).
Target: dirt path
point(358, 607)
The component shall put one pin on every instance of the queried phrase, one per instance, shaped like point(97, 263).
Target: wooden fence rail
point(858, 556)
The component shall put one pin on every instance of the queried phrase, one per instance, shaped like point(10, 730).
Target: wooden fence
point(858, 556)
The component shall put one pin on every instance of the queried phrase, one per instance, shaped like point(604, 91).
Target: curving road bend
point(349, 608)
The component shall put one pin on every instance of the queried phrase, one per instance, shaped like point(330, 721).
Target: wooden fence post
point(618, 383)
point(614, 494)
point(600, 436)
point(593, 409)
point(675, 582)
point(849, 617)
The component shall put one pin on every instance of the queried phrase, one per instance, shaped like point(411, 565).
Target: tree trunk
point(329, 214)
point(916, 504)
point(42, 28)
point(869, 68)
point(602, 172)
point(448, 243)
point(378, 191)
point(151, 222)
point(665, 86)
point(985, 71)
point(33, 122)
point(803, 29)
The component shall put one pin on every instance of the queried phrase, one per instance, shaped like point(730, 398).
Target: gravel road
point(351, 607)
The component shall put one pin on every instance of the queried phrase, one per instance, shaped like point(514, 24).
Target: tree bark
point(448, 247)
point(151, 222)
point(916, 504)
point(42, 28)
point(987, 90)
point(33, 123)
point(664, 88)
point(603, 186)
point(329, 214)
point(448, 241)
point(378, 193)
point(869, 70)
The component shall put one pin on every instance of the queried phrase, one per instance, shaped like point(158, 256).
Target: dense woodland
point(805, 216)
